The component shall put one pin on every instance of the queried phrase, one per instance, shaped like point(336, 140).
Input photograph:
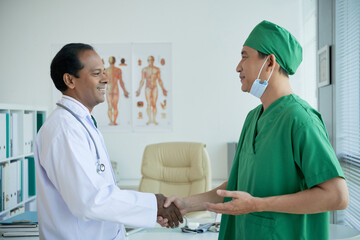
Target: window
point(347, 71)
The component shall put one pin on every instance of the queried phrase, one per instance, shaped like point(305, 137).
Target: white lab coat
point(74, 201)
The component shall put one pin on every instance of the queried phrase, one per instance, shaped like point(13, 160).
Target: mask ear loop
point(272, 70)
point(262, 68)
point(271, 74)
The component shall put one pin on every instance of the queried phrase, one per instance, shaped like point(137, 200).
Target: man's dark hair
point(67, 61)
point(281, 70)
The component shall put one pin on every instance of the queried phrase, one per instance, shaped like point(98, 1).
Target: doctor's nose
point(239, 67)
point(104, 79)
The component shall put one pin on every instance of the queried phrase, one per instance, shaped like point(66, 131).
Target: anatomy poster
point(115, 112)
point(151, 75)
point(138, 94)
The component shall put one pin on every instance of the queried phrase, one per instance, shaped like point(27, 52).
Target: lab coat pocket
point(259, 227)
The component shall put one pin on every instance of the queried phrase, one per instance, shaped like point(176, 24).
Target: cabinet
point(18, 128)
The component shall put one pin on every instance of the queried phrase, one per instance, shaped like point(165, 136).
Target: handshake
point(171, 209)
point(169, 216)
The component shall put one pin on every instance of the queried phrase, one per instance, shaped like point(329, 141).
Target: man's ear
point(69, 80)
point(272, 63)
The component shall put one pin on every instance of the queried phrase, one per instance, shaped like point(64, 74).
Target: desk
point(160, 233)
point(173, 234)
point(336, 232)
point(156, 233)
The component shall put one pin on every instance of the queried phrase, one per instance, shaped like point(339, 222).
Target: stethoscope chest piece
point(100, 168)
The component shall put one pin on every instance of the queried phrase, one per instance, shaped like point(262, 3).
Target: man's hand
point(164, 92)
point(179, 203)
point(171, 213)
point(241, 203)
point(126, 94)
point(137, 93)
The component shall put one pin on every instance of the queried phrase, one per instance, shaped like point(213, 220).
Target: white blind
point(347, 60)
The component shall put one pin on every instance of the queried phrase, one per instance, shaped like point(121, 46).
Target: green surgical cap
point(270, 38)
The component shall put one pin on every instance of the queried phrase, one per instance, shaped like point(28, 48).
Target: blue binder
point(23, 218)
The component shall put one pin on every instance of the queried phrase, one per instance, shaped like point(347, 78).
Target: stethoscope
point(100, 168)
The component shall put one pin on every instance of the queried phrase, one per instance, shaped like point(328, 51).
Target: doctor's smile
point(102, 89)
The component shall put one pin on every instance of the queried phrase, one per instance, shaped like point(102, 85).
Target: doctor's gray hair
point(67, 61)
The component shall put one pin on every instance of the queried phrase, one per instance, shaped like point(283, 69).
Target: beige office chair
point(176, 168)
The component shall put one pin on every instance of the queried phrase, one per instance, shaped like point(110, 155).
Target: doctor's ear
point(271, 63)
point(69, 80)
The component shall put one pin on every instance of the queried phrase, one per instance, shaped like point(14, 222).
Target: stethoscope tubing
point(100, 167)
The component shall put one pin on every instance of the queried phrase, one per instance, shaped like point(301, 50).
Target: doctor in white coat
point(76, 191)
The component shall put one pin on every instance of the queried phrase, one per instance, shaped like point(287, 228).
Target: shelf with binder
point(18, 128)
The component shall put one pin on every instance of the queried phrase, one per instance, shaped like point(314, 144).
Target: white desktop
point(160, 233)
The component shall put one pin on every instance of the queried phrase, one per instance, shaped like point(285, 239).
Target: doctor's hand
point(171, 213)
point(241, 203)
point(179, 203)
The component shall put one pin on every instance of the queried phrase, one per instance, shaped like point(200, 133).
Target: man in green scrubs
point(285, 176)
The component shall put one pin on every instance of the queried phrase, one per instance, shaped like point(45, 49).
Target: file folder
point(5, 186)
point(40, 116)
point(28, 132)
point(1, 189)
point(3, 129)
point(31, 175)
point(12, 184)
point(14, 134)
point(7, 135)
point(18, 180)
point(25, 179)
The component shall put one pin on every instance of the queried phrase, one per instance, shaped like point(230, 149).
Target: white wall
point(206, 35)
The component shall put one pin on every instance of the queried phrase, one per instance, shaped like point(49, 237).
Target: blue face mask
point(258, 88)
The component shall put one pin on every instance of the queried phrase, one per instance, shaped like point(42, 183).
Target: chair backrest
point(175, 168)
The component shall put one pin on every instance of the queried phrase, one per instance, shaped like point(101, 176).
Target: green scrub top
point(283, 150)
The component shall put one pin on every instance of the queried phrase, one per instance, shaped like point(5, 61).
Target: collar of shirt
point(77, 107)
